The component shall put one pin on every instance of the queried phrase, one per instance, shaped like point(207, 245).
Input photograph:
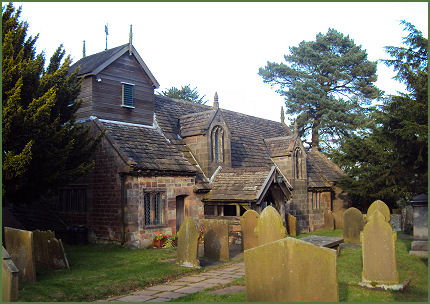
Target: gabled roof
point(321, 171)
point(146, 149)
point(94, 64)
point(237, 184)
point(280, 146)
point(247, 133)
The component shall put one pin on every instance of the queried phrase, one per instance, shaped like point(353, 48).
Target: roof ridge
point(281, 137)
point(108, 50)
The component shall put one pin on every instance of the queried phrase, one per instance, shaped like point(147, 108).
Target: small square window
point(127, 95)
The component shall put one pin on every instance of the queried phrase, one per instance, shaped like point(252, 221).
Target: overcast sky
point(218, 47)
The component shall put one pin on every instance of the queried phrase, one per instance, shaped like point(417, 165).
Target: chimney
point(130, 40)
point(216, 104)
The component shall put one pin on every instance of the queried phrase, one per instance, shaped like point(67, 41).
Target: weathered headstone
point(328, 219)
point(378, 242)
point(292, 222)
point(9, 283)
point(382, 207)
point(353, 224)
point(248, 222)
point(269, 226)
point(290, 270)
point(396, 222)
point(19, 245)
point(338, 218)
point(216, 239)
point(48, 251)
point(188, 238)
point(419, 246)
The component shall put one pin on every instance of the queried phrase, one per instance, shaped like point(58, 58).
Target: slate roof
point(321, 171)
point(195, 124)
point(247, 132)
point(90, 63)
point(237, 184)
point(280, 146)
point(147, 148)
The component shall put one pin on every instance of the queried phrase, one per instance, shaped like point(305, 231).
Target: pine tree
point(326, 83)
point(185, 93)
point(390, 161)
point(43, 147)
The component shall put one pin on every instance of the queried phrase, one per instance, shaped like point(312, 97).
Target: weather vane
point(107, 33)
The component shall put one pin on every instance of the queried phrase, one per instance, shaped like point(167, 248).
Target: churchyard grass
point(100, 271)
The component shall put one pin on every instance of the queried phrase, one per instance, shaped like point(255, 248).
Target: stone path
point(185, 285)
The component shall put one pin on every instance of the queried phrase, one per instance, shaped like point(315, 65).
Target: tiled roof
point(195, 124)
point(237, 184)
point(147, 148)
point(280, 146)
point(247, 132)
point(321, 171)
point(90, 63)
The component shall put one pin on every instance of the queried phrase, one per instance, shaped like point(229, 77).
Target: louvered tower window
point(127, 95)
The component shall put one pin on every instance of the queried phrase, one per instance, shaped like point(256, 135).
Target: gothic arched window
point(217, 144)
point(298, 163)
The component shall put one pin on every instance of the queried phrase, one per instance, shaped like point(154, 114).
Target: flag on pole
point(106, 29)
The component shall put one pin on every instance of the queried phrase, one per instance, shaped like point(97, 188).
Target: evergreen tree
point(185, 93)
point(326, 83)
point(390, 161)
point(43, 148)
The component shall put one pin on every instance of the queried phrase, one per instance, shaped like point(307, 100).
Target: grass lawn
point(100, 271)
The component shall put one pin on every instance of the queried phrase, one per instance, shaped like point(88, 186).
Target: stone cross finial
point(282, 116)
point(130, 40)
point(216, 103)
point(83, 51)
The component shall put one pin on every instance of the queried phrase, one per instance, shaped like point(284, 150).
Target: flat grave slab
point(323, 241)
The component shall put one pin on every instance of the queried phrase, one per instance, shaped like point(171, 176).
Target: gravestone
point(378, 242)
point(9, 282)
point(396, 222)
point(292, 222)
point(48, 251)
point(216, 239)
point(338, 218)
point(382, 207)
point(19, 245)
point(353, 224)
point(188, 238)
point(248, 222)
point(328, 219)
point(269, 226)
point(419, 246)
point(290, 270)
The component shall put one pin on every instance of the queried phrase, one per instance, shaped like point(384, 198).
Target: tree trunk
point(315, 136)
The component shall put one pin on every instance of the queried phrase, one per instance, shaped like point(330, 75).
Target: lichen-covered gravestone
point(290, 270)
point(378, 243)
point(48, 251)
point(269, 226)
point(328, 219)
point(216, 239)
point(188, 237)
point(292, 222)
point(19, 245)
point(352, 225)
point(248, 222)
point(382, 207)
point(9, 282)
